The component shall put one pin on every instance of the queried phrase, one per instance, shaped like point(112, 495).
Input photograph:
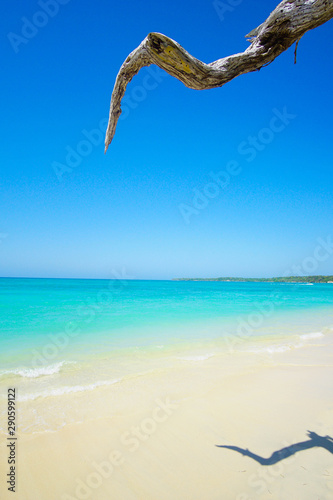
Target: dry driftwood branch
point(284, 26)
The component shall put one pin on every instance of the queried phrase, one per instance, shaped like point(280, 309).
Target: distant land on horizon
point(286, 279)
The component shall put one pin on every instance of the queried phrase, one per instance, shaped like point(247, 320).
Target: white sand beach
point(158, 436)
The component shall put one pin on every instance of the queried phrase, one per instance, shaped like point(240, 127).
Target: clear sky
point(150, 208)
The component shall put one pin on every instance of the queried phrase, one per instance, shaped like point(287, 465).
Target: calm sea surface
point(65, 319)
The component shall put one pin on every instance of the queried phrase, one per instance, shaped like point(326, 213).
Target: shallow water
point(61, 338)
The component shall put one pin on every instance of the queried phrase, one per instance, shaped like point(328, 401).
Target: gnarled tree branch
point(284, 26)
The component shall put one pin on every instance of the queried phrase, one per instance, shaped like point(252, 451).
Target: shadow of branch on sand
point(314, 441)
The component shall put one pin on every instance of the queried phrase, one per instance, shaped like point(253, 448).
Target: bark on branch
point(284, 26)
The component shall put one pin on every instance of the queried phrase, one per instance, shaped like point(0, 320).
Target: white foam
point(199, 357)
point(314, 335)
point(35, 372)
point(272, 349)
point(281, 348)
point(60, 391)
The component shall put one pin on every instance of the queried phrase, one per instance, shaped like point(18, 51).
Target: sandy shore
point(158, 436)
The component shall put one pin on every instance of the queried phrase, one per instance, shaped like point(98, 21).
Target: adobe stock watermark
point(264, 477)
point(225, 7)
point(130, 442)
point(30, 27)
point(309, 265)
point(85, 314)
point(248, 149)
point(269, 473)
point(246, 327)
point(74, 155)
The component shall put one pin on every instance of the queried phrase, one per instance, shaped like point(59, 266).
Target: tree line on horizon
point(285, 279)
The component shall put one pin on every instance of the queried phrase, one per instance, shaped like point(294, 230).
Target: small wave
point(199, 357)
point(60, 391)
point(314, 335)
point(34, 372)
point(272, 349)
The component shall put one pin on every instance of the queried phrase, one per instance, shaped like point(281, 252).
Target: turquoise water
point(64, 342)
point(58, 319)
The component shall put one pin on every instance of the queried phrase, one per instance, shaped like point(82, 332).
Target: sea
point(69, 336)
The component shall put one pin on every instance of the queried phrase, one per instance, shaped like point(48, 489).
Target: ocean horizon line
point(222, 278)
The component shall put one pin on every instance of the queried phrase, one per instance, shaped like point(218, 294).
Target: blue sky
point(141, 209)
